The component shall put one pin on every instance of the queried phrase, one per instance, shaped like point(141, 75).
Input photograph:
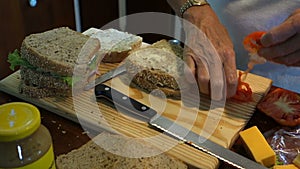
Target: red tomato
point(243, 92)
point(283, 106)
point(252, 42)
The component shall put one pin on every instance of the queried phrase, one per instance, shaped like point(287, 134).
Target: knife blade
point(106, 76)
point(145, 113)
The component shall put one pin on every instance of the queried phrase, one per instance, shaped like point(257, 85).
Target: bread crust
point(55, 50)
point(36, 82)
point(36, 92)
point(42, 79)
point(116, 45)
point(154, 89)
point(117, 57)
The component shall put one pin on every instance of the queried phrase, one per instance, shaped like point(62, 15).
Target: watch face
point(196, 1)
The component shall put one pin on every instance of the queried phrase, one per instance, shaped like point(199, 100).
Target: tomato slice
point(283, 106)
point(252, 41)
point(252, 44)
point(244, 91)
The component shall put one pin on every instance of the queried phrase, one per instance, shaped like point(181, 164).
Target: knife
point(106, 76)
point(145, 113)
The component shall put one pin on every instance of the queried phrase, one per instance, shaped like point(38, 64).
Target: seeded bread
point(158, 66)
point(54, 56)
point(36, 92)
point(93, 156)
point(56, 50)
point(42, 79)
point(116, 45)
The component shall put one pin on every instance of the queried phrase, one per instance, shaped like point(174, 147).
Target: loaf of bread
point(93, 155)
point(116, 45)
point(158, 66)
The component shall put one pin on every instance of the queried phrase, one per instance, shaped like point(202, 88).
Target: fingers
point(281, 50)
point(212, 80)
point(198, 70)
point(203, 77)
point(281, 43)
point(214, 69)
point(282, 32)
point(292, 59)
point(230, 72)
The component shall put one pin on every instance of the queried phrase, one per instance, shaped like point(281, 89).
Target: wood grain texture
point(84, 109)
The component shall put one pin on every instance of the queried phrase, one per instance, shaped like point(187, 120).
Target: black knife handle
point(124, 103)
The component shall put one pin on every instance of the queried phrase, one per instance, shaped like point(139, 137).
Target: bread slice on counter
point(93, 155)
point(158, 66)
point(116, 45)
point(55, 61)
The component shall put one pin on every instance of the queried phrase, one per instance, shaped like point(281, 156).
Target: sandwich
point(54, 62)
point(157, 67)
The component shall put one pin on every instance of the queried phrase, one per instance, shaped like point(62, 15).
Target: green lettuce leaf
point(70, 80)
point(15, 60)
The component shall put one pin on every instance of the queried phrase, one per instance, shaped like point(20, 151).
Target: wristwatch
point(190, 3)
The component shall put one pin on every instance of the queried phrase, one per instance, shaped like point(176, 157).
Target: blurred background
point(23, 17)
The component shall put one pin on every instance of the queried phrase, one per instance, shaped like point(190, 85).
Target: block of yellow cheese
point(289, 166)
point(296, 161)
point(258, 147)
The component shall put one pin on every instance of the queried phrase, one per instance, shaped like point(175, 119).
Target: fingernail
point(265, 40)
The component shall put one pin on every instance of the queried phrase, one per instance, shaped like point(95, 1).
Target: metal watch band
point(190, 3)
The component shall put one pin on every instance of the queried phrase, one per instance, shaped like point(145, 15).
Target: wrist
point(198, 13)
point(191, 3)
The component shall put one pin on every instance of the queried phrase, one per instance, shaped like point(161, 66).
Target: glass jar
point(24, 142)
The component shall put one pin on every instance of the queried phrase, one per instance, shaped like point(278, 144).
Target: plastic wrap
point(285, 142)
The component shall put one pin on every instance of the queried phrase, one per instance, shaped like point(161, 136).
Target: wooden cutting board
point(91, 114)
point(85, 110)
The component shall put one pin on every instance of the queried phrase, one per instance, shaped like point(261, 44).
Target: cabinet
point(97, 13)
point(136, 6)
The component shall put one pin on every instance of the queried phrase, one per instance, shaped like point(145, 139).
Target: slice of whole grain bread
point(101, 153)
point(158, 66)
point(42, 79)
point(39, 84)
point(36, 92)
point(56, 50)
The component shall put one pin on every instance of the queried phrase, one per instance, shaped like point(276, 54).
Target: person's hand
point(206, 62)
point(282, 43)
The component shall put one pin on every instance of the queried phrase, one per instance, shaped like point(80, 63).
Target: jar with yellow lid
point(24, 142)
